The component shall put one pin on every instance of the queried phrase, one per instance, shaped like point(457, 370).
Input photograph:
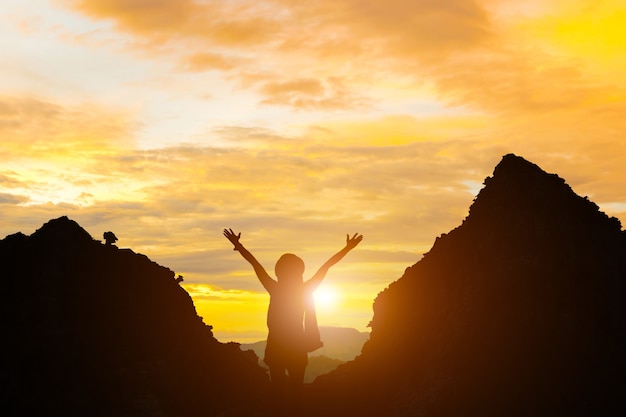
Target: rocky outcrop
point(90, 329)
point(519, 311)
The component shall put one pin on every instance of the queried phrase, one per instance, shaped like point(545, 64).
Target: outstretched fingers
point(354, 240)
point(230, 235)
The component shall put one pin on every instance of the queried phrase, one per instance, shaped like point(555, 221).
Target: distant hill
point(520, 311)
point(320, 365)
point(341, 344)
point(92, 330)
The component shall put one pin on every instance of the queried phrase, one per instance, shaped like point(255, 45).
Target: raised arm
point(319, 276)
point(263, 276)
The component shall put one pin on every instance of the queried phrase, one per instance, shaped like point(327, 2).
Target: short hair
point(289, 267)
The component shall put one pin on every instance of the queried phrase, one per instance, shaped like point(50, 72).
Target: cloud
point(8, 179)
point(420, 22)
point(310, 93)
point(544, 57)
point(308, 56)
point(417, 28)
point(168, 15)
point(203, 61)
point(327, 55)
point(224, 23)
point(506, 82)
point(298, 86)
point(38, 128)
point(12, 199)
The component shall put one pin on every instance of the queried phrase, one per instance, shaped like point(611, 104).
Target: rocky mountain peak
point(519, 193)
point(90, 329)
point(63, 231)
point(518, 311)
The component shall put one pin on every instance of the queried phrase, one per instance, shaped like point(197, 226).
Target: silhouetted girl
point(290, 337)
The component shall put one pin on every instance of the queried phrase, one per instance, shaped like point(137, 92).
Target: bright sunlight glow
point(326, 297)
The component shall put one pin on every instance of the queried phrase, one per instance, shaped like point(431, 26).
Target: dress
point(285, 322)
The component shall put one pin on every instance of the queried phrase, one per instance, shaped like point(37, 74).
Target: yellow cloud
point(414, 22)
point(401, 129)
point(166, 21)
point(157, 15)
point(203, 61)
point(311, 93)
point(417, 28)
point(58, 153)
point(584, 35)
point(31, 127)
point(343, 48)
point(593, 30)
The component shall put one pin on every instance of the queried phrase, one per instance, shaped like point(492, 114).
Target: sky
point(295, 123)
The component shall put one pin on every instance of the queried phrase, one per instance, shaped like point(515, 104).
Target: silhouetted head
point(289, 268)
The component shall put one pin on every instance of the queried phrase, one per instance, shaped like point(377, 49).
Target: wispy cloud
point(204, 61)
point(44, 129)
point(6, 198)
point(323, 43)
point(226, 23)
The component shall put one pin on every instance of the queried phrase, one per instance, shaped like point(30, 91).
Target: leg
point(296, 382)
point(278, 381)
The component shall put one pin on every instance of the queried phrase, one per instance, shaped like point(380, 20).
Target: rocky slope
point(519, 311)
point(90, 329)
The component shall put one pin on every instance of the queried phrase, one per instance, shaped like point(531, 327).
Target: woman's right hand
point(233, 238)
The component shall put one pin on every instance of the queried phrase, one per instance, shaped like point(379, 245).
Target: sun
point(325, 297)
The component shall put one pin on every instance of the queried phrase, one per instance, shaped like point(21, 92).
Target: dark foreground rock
point(93, 330)
point(520, 311)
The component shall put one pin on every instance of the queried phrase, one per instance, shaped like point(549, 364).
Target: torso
point(285, 318)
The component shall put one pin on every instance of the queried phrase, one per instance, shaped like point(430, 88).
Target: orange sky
point(296, 123)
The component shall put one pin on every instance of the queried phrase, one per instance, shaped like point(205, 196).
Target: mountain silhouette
point(93, 330)
point(519, 311)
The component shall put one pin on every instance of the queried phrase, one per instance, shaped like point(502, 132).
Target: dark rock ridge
point(520, 311)
point(93, 330)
